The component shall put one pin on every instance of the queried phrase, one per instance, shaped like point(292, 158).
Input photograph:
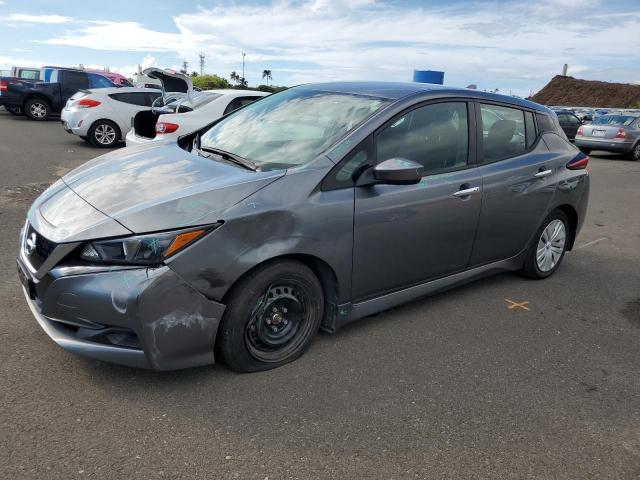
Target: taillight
point(579, 162)
point(621, 133)
point(87, 103)
point(3, 86)
point(166, 127)
point(580, 131)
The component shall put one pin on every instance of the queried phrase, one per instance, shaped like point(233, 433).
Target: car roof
point(108, 90)
point(399, 90)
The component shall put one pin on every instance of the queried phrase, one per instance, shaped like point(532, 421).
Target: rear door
point(407, 234)
point(519, 176)
point(125, 105)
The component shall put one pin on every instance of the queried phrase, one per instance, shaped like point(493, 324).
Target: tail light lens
point(580, 131)
point(621, 133)
point(87, 103)
point(3, 86)
point(579, 162)
point(166, 127)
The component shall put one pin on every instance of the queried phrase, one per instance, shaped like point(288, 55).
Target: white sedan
point(103, 116)
point(182, 110)
point(206, 107)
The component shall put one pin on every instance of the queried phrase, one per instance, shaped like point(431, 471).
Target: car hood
point(145, 189)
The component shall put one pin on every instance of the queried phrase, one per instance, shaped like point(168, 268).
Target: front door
point(407, 234)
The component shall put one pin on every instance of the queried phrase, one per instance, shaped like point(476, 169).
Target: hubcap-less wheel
point(636, 153)
point(38, 110)
point(551, 245)
point(105, 134)
point(278, 324)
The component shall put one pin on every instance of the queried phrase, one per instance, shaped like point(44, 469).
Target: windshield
point(290, 128)
point(614, 120)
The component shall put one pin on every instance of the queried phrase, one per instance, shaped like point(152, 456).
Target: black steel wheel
point(272, 315)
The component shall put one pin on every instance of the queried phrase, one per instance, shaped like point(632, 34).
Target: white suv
point(103, 116)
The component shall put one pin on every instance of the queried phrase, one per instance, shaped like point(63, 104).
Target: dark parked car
point(611, 133)
point(38, 99)
point(306, 209)
point(569, 123)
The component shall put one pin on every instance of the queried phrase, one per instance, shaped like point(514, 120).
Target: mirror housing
point(398, 171)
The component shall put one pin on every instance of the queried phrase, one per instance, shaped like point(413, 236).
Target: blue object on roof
point(428, 76)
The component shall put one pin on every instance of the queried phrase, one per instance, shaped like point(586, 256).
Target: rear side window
point(150, 97)
point(503, 132)
point(530, 129)
point(133, 98)
point(436, 136)
point(238, 102)
point(545, 124)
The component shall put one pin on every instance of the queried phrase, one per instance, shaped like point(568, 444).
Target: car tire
point(548, 248)
point(635, 153)
point(272, 315)
point(37, 109)
point(104, 134)
point(14, 110)
point(586, 151)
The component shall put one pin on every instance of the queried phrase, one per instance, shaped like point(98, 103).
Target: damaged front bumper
point(139, 317)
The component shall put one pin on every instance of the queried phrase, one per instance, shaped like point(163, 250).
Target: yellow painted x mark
point(522, 305)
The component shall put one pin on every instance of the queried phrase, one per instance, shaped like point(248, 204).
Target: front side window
point(436, 136)
point(503, 132)
point(291, 128)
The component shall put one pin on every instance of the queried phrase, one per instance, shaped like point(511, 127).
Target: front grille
point(43, 248)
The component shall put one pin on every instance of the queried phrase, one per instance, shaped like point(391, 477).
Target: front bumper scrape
point(174, 326)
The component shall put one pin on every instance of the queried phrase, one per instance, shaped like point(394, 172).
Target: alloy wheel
point(38, 110)
point(105, 134)
point(551, 245)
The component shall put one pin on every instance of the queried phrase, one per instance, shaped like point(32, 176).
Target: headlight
point(150, 249)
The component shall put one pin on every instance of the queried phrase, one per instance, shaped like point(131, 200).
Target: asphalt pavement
point(455, 386)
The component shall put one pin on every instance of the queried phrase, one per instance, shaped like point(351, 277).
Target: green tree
point(209, 82)
point(234, 77)
point(267, 74)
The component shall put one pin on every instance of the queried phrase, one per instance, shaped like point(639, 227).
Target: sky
point(514, 46)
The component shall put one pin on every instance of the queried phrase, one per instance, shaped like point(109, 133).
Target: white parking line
point(593, 242)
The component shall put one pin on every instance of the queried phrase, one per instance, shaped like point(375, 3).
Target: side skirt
point(350, 312)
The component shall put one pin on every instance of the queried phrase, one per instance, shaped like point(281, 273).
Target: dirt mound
point(571, 91)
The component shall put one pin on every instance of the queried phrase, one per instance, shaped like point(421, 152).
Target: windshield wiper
point(237, 159)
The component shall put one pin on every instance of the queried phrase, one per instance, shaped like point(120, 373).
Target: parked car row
point(96, 109)
point(609, 130)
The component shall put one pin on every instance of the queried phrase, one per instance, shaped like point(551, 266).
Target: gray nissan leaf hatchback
point(305, 210)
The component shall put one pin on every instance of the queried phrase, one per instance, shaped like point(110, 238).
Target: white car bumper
point(74, 121)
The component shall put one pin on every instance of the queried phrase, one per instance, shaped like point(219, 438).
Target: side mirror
point(587, 118)
point(398, 171)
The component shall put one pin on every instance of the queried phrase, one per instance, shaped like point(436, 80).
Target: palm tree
point(234, 77)
point(266, 74)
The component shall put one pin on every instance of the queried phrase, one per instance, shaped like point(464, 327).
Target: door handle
point(466, 192)
point(543, 173)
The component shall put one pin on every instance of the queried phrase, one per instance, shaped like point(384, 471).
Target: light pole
point(243, 55)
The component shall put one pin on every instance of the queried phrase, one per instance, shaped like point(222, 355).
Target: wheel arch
point(33, 96)
point(321, 269)
point(572, 216)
